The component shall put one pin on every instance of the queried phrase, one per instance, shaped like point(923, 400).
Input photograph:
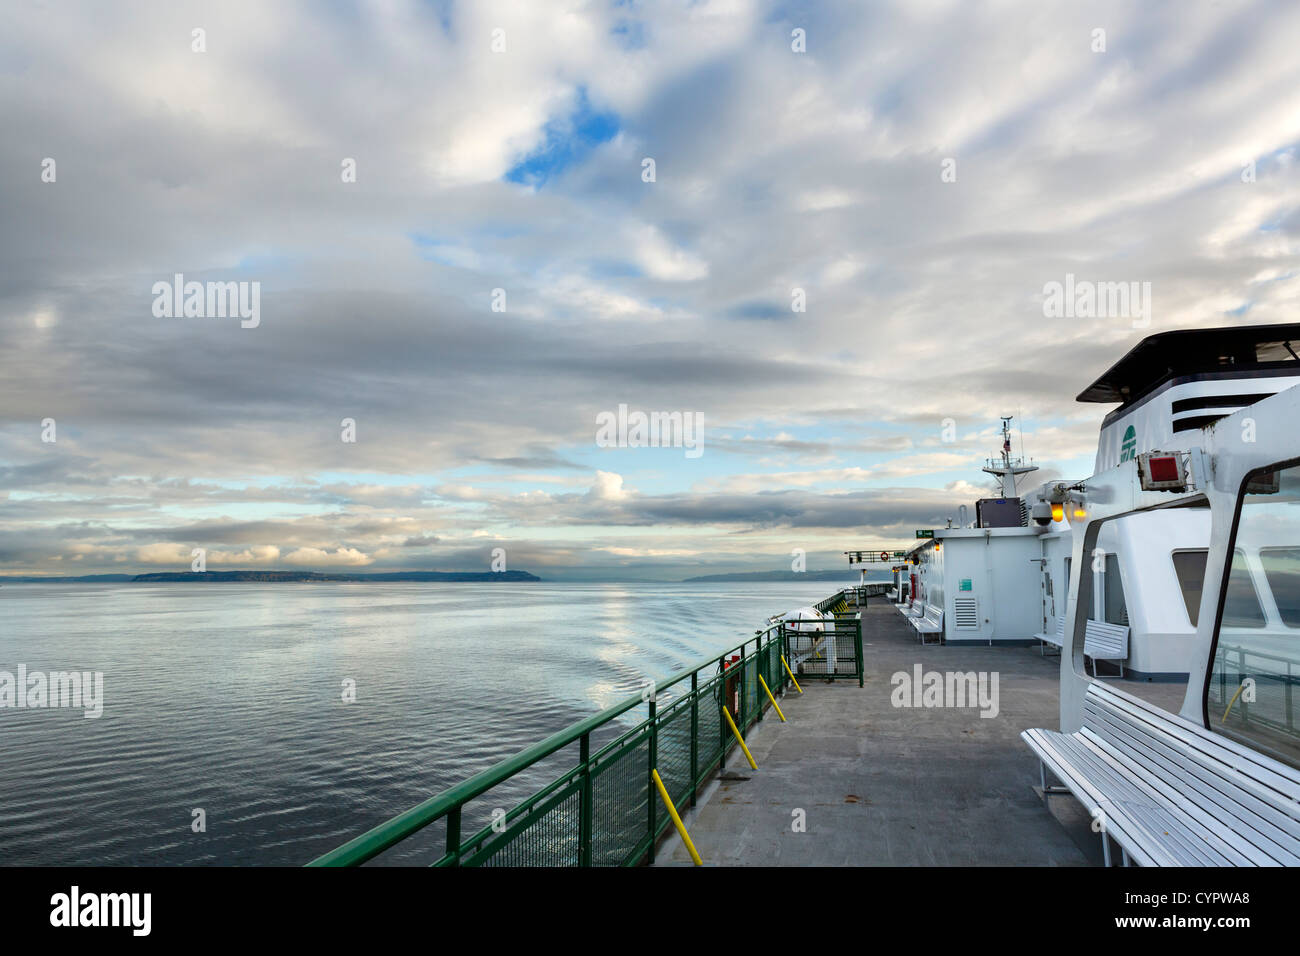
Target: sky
point(834, 263)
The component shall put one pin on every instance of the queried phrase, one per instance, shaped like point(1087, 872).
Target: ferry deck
point(901, 786)
point(1191, 757)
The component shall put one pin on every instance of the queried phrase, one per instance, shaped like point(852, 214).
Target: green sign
point(1128, 449)
point(900, 554)
point(924, 533)
point(965, 584)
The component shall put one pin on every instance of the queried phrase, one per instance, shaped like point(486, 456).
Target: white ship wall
point(1161, 636)
point(1153, 420)
point(1000, 566)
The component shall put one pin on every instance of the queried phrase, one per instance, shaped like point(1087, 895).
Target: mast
point(1006, 469)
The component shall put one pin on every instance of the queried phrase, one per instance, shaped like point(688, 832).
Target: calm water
point(228, 697)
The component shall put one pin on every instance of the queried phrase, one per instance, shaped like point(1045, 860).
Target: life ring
point(884, 555)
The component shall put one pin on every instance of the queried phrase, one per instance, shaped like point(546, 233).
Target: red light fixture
point(1162, 471)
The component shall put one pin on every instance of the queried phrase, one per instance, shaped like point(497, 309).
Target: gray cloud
point(775, 171)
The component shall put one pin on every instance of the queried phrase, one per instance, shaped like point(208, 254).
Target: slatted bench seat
point(929, 621)
point(1101, 641)
point(1056, 638)
point(1106, 642)
point(1168, 791)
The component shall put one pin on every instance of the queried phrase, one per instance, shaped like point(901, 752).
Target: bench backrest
point(1107, 641)
point(934, 614)
point(1247, 804)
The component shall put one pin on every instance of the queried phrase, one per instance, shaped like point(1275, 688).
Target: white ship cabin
point(1143, 603)
point(1002, 578)
point(1217, 782)
point(976, 585)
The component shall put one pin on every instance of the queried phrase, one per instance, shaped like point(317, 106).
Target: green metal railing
point(829, 647)
point(605, 811)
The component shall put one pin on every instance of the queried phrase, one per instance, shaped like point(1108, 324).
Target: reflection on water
point(228, 698)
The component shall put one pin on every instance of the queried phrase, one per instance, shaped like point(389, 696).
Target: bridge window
point(1282, 569)
point(1251, 689)
point(1189, 566)
point(1240, 607)
point(1116, 610)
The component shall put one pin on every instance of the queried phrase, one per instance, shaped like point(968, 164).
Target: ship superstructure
point(1143, 599)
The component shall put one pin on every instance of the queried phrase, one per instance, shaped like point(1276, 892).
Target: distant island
point(64, 579)
point(281, 576)
point(848, 576)
point(218, 576)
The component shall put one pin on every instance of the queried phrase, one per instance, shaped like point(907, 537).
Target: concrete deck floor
point(885, 785)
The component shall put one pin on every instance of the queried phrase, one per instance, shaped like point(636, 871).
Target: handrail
point(375, 841)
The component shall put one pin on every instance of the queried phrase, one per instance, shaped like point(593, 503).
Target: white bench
point(1168, 791)
point(1106, 642)
point(929, 621)
point(892, 594)
point(1101, 641)
point(1056, 640)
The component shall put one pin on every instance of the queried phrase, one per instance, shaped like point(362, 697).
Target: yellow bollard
point(677, 821)
point(771, 698)
point(791, 673)
point(748, 756)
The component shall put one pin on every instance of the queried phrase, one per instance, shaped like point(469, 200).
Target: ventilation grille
point(966, 611)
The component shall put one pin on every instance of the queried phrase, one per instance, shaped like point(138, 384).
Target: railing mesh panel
point(619, 795)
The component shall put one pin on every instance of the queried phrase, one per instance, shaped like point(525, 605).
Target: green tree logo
point(1128, 449)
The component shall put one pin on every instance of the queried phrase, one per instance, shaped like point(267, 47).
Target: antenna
point(1005, 468)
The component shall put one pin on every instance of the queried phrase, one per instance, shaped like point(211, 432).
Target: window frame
point(1221, 599)
point(1174, 564)
point(1272, 591)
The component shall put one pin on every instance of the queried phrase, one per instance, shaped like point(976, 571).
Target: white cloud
point(317, 557)
point(774, 170)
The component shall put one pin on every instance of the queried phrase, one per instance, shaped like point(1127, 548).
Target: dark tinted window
point(1116, 610)
point(1282, 569)
point(1190, 568)
point(1241, 606)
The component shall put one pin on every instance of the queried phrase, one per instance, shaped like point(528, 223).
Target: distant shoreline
point(844, 577)
point(217, 577)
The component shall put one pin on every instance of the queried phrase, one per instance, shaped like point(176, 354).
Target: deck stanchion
point(677, 820)
point(739, 739)
point(746, 684)
point(585, 802)
point(791, 673)
point(771, 698)
point(654, 759)
point(453, 835)
point(695, 734)
point(722, 700)
point(857, 647)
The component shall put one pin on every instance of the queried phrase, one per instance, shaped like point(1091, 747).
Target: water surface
point(228, 698)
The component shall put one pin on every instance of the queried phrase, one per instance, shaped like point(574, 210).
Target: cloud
point(318, 558)
point(521, 171)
